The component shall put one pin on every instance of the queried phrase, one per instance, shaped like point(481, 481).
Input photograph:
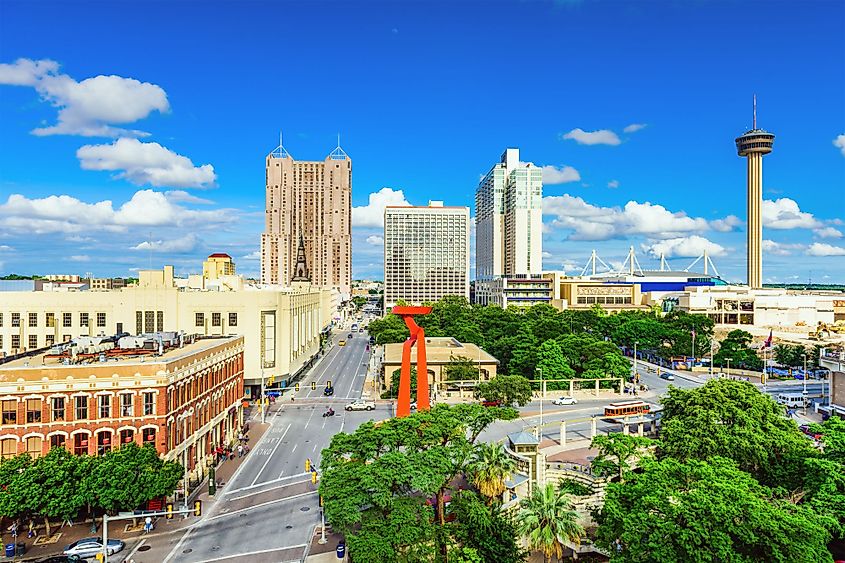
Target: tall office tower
point(426, 253)
point(753, 145)
point(508, 223)
point(311, 200)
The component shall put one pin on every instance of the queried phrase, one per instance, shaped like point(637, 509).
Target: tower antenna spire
point(754, 124)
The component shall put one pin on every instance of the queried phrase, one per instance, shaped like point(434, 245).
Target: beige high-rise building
point(312, 200)
point(217, 265)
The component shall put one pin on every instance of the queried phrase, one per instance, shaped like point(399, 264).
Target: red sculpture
point(403, 408)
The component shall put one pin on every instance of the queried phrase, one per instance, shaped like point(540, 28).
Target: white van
point(792, 400)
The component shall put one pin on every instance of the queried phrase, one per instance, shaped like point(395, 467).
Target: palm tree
point(490, 466)
point(547, 519)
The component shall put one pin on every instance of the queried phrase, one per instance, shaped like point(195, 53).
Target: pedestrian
point(148, 525)
point(240, 450)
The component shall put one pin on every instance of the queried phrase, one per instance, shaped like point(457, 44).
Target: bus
point(626, 408)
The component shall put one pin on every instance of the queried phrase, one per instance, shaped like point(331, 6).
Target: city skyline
point(172, 173)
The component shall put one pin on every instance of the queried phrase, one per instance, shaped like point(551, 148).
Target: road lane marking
point(269, 457)
point(233, 491)
point(254, 506)
point(294, 448)
point(239, 555)
point(131, 553)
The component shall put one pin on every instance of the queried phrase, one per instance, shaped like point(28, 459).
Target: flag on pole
point(768, 341)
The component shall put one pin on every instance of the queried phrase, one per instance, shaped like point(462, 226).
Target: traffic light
point(329, 383)
point(197, 508)
point(313, 385)
point(169, 510)
point(321, 500)
point(296, 387)
point(307, 465)
point(271, 380)
point(313, 477)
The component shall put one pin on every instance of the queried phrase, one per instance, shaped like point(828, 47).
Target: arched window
point(8, 448)
point(127, 436)
point(33, 446)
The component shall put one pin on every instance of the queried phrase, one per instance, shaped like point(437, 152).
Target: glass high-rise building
point(426, 253)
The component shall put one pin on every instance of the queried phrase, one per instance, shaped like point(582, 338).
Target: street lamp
point(804, 355)
point(711, 356)
point(729, 366)
point(635, 360)
point(540, 432)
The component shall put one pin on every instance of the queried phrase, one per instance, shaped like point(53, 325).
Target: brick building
point(179, 394)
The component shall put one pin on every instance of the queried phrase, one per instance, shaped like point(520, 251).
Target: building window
point(57, 409)
point(126, 405)
point(16, 319)
point(104, 406)
point(57, 441)
point(83, 319)
point(33, 446)
point(127, 436)
point(148, 436)
point(215, 319)
point(10, 448)
point(33, 319)
point(233, 319)
point(67, 319)
point(139, 322)
point(81, 410)
point(51, 319)
point(101, 319)
point(1, 319)
point(80, 444)
point(33, 411)
point(103, 443)
point(200, 319)
point(50, 339)
point(149, 321)
point(149, 403)
point(33, 341)
point(9, 412)
point(16, 341)
point(160, 321)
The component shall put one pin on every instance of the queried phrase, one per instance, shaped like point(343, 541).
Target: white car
point(90, 547)
point(565, 401)
point(361, 406)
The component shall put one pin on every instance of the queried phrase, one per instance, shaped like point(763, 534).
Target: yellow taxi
point(341, 343)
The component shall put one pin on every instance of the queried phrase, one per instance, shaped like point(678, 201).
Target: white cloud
point(634, 127)
point(685, 247)
point(5, 248)
point(89, 107)
point(80, 258)
point(372, 214)
point(600, 137)
point(66, 214)
point(781, 248)
point(375, 240)
point(177, 245)
point(181, 196)
point(546, 254)
point(784, 213)
point(146, 163)
point(727, 224)
point(254, 255)
point(613, 184)
point(822, 249)
point(839, 142)
point(562, 175)
point(828, 232)
point(591, 222)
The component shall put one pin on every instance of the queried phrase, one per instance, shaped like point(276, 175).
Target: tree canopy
point(507, 389)
point(735, 348)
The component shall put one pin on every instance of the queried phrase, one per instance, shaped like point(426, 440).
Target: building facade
point(217, 265)
point(183, 400)
point(312, 200)
point(281, 326)
point(740, 305)
point(509, 224)
point(426, 253)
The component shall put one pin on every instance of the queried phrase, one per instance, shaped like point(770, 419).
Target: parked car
point(565, 401)
point(349, 335)
point(491, 403)
point(62, 559)
point(806, 430)
point(361, 405)
point(667, 376)
point(90, 547)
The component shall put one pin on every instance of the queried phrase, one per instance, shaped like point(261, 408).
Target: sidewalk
point(117, 529)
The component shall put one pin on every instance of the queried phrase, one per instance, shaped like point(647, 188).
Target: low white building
point(770, 307)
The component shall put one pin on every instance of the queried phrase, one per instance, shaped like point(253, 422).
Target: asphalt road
point(269, 508)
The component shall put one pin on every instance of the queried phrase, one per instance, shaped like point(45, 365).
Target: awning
point(515, 480)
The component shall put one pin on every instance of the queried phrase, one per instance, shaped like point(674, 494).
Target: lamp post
point(635, 361)
point(804, 355)
point(729, 366)
point(711, 356)
point(540, 431)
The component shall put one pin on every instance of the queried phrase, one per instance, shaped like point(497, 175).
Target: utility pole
point(261, 399)
point(540, 431)
point(711, 356)
point(635, 360)
point(805, 382)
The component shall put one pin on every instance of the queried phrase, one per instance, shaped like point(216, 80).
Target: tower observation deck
point(753, 145)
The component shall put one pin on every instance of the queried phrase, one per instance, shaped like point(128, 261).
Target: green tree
point(705, 511)
point(792, 355)
point(617, 451)
point(486, 528)
point(551, 364)
point(461, 368)
point(59, 474)
point(393, 391)
point(735, 348)
point(523, 353)
point(547, 519)
point(507, 389)
point(647, 332)
point(733, 419)
point(488, 469)
point(824, 477)
point(19, 491)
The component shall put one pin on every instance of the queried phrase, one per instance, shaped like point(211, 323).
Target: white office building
point(508, 226)
point(426, 253)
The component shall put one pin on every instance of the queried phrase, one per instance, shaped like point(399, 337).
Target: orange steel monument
point(403, 408)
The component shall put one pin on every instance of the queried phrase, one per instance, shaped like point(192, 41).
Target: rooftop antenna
point(754, 125)
point(280, 151)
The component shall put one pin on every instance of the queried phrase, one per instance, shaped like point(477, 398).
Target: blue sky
point(135, 133)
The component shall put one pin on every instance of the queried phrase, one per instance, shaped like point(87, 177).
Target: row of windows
point(50, 319)
point(216, 319)
point(32, 411)
point(33, 340)
point(80, 442)
point(604, 300)
point(187, 392)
